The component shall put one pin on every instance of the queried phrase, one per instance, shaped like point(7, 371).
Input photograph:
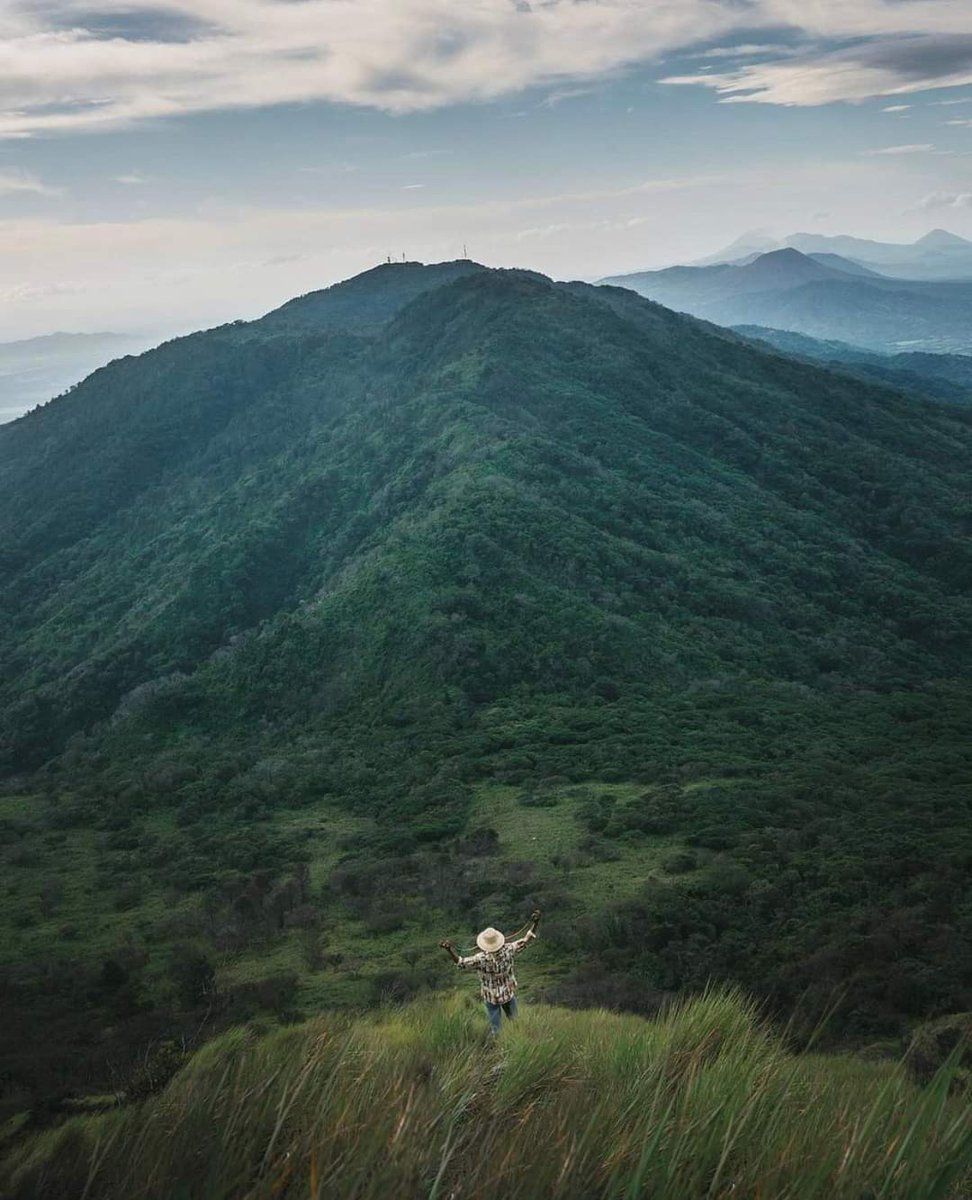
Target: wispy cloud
point(562, 94)
point(744, 50)
point(133, 179)
point(879, 66)
point(945, 200)
point(343, 168)
point(14, 182)
point(66, 66)
point(440, 152)
point(911, 148)
point(896, 108)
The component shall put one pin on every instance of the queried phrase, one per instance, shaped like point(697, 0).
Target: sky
point(168, 165)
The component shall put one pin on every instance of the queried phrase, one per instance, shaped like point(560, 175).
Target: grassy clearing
point(539, 834)
point(417, 1102)
point(61, 893)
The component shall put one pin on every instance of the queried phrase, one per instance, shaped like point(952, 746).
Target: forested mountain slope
point(420, 541)
point(648, 500)
point(946, 377)
point(34, 370)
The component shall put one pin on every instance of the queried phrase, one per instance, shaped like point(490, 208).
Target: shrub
point(937, 1042)
point(679, 862)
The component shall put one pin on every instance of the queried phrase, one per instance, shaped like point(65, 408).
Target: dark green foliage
point(937, 1043)
point(248, 524)
point(680, 861)
point(193, 975)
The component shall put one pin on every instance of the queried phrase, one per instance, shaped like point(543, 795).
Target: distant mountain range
point(37, 369)
point(822, 294)
point(937, 255)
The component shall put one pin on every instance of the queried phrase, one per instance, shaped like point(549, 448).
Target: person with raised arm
point(494, 962)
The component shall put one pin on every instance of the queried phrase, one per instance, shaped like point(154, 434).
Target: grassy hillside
point(704, 1102)
point(305, 619)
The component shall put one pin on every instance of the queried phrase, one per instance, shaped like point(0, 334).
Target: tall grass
point(420, 1103)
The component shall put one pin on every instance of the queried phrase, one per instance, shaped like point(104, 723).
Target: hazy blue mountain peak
point(942, 238)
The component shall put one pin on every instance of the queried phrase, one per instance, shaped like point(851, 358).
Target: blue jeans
point(493, 1012)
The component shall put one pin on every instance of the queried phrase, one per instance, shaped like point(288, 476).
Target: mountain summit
point(269, 476)
point(783, 268)
point(937, 239)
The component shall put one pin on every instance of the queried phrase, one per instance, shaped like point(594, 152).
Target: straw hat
point(490, 940)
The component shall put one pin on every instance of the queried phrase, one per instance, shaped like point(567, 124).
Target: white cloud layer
point(66, 65)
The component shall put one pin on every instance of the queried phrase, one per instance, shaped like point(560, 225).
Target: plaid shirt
point(496, 978)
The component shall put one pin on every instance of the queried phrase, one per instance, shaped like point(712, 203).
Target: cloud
point(743, 50)
point(945, 200)
point(884, 66)
point(396, 55)
point(421, 154)
point(22, 293)
point(913, 148)
point(131, 180)
point(14, 182)
point(66, 66)
point(562, 94)
point(896, 108)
